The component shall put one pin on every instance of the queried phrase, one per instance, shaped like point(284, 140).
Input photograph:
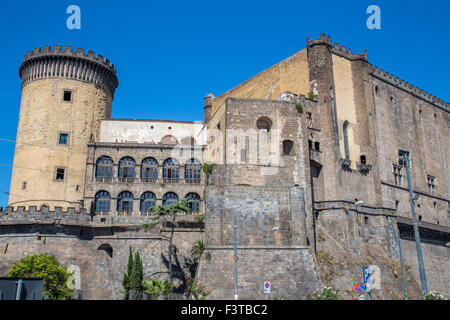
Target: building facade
point(305, 154)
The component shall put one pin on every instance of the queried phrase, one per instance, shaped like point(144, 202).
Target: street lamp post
point(235, 262)
point(412, 197)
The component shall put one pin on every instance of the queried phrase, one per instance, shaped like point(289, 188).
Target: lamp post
point(412, 197)
point(235, 262)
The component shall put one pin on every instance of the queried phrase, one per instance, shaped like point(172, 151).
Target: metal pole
point(405, 297)
point(423, 278)
point(235, 262)
point(19, 289)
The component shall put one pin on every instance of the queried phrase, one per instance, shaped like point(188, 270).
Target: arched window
point(148, 200)
point(125, 201)
point(149, 170)
point(103, 201)
point(170, 198)
point(192, 171)
point(104, 169)
point(107, 248)
point(346, 146)
point(287, 147)
point(171, 170)
point(194, 201)
point(126, 169)
point(169, 140)
point(264, 123)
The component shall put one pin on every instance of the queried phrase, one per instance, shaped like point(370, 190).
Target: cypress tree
point(138, 276)
point(127, 277)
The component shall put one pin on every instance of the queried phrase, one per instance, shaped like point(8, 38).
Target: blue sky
point(170, 54)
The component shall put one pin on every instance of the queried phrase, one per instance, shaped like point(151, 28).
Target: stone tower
point(65, 95)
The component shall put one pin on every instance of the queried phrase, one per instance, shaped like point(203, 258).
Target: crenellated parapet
point(47, 62)
point(336, 48)
point(405, 86)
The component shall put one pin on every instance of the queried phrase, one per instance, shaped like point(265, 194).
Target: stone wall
point(271, 242)
point(99, 248)
point(349, 238)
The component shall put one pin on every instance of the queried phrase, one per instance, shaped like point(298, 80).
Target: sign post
point(267, 289)
point(366, 277)
point(360, 289)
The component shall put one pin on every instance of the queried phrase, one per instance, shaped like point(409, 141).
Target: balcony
point(126, 179)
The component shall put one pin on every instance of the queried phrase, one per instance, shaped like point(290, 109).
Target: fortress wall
point(77, 240)
point(290, 74)
point(265, 254)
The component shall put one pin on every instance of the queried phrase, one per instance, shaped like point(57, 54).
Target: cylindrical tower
point(65, 95)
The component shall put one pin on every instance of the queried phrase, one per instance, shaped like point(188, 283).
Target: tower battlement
point(336, 48)
point(53, 62)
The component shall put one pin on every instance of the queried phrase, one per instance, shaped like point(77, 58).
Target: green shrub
point(433, 296)
point(299, 107)
point(327, 293)
point(311, 96)
point(156, 288)
point(47, 267)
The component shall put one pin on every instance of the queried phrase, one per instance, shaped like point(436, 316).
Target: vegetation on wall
point(47, 267)
point(299, 107)
point(327, 293)
point(197, 249)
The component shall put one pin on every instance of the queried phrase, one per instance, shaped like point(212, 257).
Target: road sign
point(360, 288)
point(266, 287)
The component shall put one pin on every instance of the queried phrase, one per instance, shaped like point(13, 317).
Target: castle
point(305, 156)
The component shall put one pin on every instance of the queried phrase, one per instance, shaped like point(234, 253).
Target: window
point(346, 146)
point(309, 119)
point(67, 96)
point(170, 198)
point(317, 146)
point(363, 159)
point(102, 201)
point(398, 174)
point(149, 170)
point(287, 147)
point(59, 173)
point(63, 138)
point(194, 201)
point(125, 201)
point(264, 124)
point(126, 169)
point(192, 171)
point(24, 185)
point(148, 200)
point(431, 182)
point(171, 170)
point(310, 144)
point(104, 169)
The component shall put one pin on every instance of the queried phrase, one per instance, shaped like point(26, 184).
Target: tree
point(137, 276)
point(47, 267)
point(197, 249)
point(163, 211)
point(126, 277)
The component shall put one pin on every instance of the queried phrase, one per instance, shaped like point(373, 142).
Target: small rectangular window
point(63, 138)
point(67, 96)
point(59, 174)
point(24, 185)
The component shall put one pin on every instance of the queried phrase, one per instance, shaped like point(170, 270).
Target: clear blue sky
point(170, 54)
